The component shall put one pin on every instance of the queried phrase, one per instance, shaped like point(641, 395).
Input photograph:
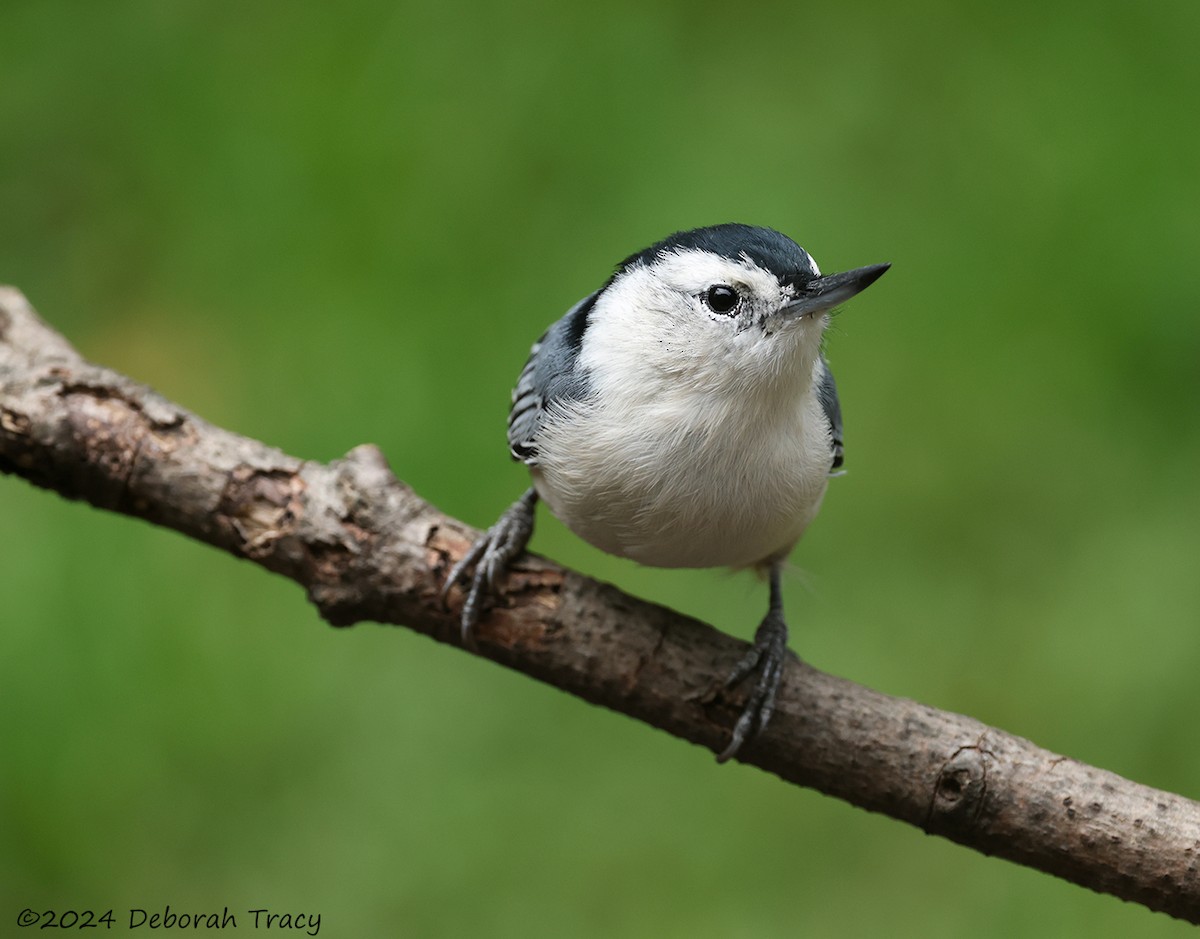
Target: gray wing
point(828, 396)
point(550, 377)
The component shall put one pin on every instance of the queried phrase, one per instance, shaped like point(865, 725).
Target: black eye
point(721, 298)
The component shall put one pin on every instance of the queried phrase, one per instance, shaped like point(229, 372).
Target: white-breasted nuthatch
point(683, 415)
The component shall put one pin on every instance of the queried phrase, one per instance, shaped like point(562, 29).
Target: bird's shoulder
point(827, 395)
point(550, 376)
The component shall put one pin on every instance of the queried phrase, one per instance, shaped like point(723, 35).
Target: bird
point(683, 416)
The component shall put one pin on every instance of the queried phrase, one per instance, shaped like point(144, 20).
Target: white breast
point(685, 477)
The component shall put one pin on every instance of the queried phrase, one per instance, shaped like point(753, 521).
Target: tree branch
point(365, 547)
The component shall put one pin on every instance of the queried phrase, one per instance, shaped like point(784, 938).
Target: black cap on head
point(766, 247)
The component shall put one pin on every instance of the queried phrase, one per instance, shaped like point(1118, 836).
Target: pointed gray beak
point(824, 293)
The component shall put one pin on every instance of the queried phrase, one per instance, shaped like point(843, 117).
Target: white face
point(695, 317)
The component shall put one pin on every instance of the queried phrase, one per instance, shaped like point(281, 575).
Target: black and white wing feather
point(828, 396)
point(549, 378)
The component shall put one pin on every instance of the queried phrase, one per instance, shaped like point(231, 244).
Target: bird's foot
point(766, 658)
point(490, 555)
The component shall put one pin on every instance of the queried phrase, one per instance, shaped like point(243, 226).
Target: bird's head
point(720, 307)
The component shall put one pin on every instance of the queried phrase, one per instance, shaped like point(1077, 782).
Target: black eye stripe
point(721, 298)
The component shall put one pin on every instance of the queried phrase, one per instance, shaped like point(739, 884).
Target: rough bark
point(365, 547)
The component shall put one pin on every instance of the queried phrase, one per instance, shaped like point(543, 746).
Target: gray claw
point(767, 657)
point(490, 555)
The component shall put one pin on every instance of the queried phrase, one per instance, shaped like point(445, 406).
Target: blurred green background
point(322, 225)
